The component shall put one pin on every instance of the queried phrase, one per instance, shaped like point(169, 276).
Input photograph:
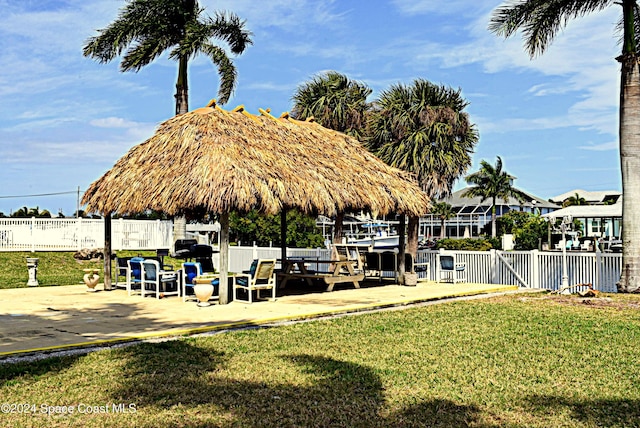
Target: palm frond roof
point(232, 160)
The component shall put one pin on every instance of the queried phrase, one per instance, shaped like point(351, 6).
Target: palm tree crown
point(492, 183)
point(423, 129)
point(444, 211)
point(145, 29)
point(574, 200)
point(334, 101)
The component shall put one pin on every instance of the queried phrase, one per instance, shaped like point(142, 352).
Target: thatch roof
point(232, 160)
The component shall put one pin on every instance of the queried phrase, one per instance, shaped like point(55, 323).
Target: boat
point(378, 242)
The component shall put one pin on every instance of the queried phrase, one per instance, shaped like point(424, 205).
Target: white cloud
point(113, 122)
point(421, 7)
point(611, 145)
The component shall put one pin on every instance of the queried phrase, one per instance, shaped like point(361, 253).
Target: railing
point(63, 234)
point(529, 269)
point(536, 269)
point(533, 269)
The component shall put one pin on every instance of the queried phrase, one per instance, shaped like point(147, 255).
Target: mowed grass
point(56, 267)
point(512, 361)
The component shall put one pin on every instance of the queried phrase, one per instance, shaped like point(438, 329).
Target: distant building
point(473, 214)
point(601, 217)
point(598, 197)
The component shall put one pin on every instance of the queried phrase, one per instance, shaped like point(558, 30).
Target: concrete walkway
point(64, 317)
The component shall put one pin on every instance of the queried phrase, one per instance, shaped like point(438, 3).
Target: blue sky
point(65, 119)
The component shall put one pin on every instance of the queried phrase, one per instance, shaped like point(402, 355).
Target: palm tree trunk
point(107, 252)
point(630, 167)
point(224, 259)
point(442, 228)
point(182, 87)
point(402, 228)
point(630, 154)
point(337, 228)
point(412, 235)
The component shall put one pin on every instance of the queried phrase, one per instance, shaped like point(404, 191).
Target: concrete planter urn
point(91, 278)
point(410, 279)
point(203, 292)
point(32, 266)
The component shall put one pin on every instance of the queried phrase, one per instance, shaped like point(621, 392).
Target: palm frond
point(540, 20)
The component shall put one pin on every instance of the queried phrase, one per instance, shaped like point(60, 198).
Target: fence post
point(494, 266)
point(33, 239)
point(598, 258)
point(535, 270)
point(78, 230)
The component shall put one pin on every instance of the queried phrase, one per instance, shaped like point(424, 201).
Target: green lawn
point(55, 267)
point(513, 361)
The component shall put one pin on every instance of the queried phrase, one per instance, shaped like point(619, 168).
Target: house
point(601, 217)
point(473, 214)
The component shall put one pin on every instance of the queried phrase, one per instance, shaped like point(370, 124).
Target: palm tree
point(492, 183)
point(574, 200)
point(540, 21)
point(145, 29)
point(444, 212)
point(423, 129)
point(334, 101)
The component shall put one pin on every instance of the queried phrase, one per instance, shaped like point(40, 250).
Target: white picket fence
point(532, 269)
point(528, 269)
point(65, 234)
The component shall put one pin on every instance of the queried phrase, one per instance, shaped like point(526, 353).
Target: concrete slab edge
point(244, 324)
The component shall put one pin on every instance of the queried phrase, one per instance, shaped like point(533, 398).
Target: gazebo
point(227, 161)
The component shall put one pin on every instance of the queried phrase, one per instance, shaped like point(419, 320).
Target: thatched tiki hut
point(231, 160)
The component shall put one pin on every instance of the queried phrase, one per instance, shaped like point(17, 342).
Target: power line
point(40, 194)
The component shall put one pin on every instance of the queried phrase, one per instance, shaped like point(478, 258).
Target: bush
point(469, 244)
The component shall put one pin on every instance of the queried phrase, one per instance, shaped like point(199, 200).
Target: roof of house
point(591, 197)
point(457, 200)
point(596, 211)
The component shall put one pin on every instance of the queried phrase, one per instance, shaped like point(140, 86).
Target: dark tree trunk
point(182, 87)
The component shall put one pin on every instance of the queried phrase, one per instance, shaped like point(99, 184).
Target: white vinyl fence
point(65, 234)
point(531, 269)
point(528, 269)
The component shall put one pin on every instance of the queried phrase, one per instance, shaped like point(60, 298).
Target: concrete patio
point(47, 319)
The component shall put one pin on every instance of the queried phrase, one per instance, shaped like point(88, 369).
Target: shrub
point(469, 244)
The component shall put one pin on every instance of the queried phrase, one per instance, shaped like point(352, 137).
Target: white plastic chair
point(157, 280)
point(451, 271)
point(261, 277)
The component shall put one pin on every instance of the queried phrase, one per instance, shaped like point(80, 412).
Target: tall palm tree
point(540, 21)
point(491, 182)
point(422, 128)
point(145, 29)
point(444, 211)
point(334, 101)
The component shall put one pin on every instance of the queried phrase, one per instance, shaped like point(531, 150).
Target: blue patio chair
point(190, 270)
point(451, 271)
point(134, 276)
point(122, 270)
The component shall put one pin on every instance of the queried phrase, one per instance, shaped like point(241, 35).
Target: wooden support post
point(224, 259)
point(107, 252)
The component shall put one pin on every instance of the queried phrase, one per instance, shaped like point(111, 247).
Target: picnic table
point(339, 271)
